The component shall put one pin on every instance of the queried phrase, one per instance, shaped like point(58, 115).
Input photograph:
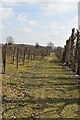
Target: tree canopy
point(9, 40)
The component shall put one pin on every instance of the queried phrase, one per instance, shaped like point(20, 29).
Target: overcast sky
point(42, 22)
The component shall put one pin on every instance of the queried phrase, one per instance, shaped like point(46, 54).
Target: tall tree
point(9, 40)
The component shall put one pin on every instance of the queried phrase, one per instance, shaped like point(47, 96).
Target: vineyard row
point(70, 55)
point(22, 52)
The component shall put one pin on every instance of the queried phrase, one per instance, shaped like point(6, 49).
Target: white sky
point(40, 22)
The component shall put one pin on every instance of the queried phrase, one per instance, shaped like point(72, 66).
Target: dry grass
point(39, 89)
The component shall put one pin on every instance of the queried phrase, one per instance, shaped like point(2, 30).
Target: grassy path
point(40, 89)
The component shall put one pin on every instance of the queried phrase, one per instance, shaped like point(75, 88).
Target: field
point(40, 89)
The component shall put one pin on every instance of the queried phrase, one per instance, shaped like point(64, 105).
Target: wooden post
point(34, 54)
point(24, 53)
point(4, 57)
point(64, 54)
point(17, 55)
point(28, 55)
point(78, 69)
point(13, 54)
point(72, 50)
point(41, 54)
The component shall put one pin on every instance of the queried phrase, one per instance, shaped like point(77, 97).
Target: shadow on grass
point(52, 77)
point(45, 103)
point(45, 100)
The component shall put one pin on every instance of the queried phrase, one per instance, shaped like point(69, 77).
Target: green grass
point(39, 89)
